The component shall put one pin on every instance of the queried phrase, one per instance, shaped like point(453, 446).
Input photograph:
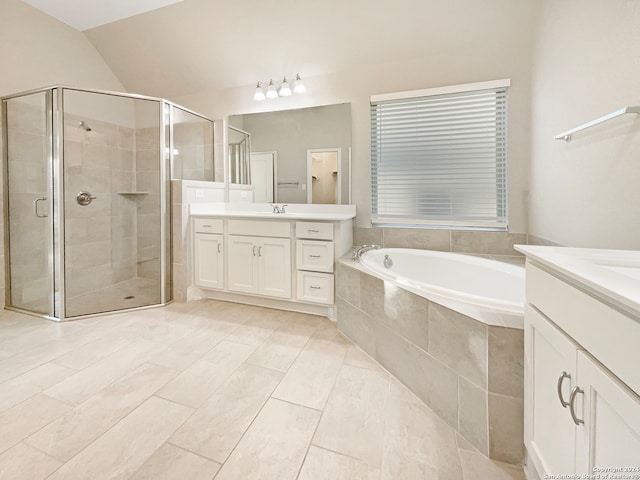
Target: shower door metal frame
point(55, 164)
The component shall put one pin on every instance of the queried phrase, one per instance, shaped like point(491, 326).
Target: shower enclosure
point(87, 197)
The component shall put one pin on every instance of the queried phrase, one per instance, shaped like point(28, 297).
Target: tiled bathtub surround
point(460, 241)
point(467, 372)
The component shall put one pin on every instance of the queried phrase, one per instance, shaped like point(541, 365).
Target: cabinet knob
point(563, 375)
point(572, 399)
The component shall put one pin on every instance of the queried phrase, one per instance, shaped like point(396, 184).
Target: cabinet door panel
point(610, 435)
point(274, 265)
point(241, 265)
point(549, 429)
point(209, 265)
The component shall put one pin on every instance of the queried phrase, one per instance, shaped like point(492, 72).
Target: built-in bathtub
point(487, 290)
point(449, 327)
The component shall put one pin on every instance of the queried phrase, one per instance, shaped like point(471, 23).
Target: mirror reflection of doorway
point(262, 175)
point(323, 172)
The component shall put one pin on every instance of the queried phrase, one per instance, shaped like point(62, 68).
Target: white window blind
point(440, 160)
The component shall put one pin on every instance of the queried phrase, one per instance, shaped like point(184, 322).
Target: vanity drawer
point(259, 228)
point(314, 230)
point(314, 255)
point(207, 225)
point(315, 287)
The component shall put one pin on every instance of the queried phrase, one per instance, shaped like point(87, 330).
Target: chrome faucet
point(357, 253)
point(279, 209)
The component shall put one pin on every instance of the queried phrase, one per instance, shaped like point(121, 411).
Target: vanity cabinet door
point(242, 265)
point(550, 374)
point(610, 435)
point(274, 267)
point(209, 260)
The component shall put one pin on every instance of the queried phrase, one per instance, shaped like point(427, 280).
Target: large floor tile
point(321, 464)
point(69, 434)
point(23, 461)
point(275, 444)
point(215, 428)
point(173, 463)
point(197, 383)
point(128, 445)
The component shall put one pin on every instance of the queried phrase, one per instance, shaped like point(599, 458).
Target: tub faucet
point(357, 253)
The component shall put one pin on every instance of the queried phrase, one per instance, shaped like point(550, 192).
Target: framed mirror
point(295, 156)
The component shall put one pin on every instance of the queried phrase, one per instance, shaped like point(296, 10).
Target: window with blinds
point(439, 157)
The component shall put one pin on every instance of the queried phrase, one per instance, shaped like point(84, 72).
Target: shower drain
point(129, 297)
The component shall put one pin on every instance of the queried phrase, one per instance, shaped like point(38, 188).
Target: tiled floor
point(212, 390)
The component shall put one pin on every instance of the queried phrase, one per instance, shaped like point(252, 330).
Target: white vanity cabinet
point(582, 409)
point(259, 264)
point(209, 253)
point(281, 261)
point(314, 262)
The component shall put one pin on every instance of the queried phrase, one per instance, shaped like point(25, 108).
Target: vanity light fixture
point(259, 94)
point(285, 89)
point(273, 91)
point(298, 86)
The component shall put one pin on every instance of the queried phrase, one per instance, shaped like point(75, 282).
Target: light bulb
point(298, 86)
point(271, 90)
point(259, 93)
point(285, 90)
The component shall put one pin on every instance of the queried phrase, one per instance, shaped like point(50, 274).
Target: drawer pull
point(572, 399)
point(313, 230)
point(315, 287)
point(206, 226)
point(314, 256)
point(563, 375)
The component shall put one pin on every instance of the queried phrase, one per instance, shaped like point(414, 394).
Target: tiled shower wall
point(193, 150)
point(148, 202)
point(100, 237)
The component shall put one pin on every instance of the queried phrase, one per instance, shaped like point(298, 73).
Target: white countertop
point(264, 211)
point(611, 274)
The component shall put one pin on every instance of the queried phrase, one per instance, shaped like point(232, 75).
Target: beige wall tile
point(367, 236)
point(432, 381)
point(506, 361)
point(275, 444)
point(506, 430)
point(356, 325)
point(459, 342)
point(348, 284)
point(496, 243)
point(473, 421)
point(421, 238)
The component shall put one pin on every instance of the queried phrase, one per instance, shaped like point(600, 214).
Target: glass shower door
point(29, 200)
point(112, 200)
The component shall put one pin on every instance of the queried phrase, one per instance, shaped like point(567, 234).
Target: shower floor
point(136, 292)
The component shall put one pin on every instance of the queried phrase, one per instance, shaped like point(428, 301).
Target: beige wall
point(502, 51)
point(38, 51)
point(585, 193)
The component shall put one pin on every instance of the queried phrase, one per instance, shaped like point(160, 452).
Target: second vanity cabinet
point(582, 409)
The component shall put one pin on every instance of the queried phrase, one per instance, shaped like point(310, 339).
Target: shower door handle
point(35, 207)
point(84, 198)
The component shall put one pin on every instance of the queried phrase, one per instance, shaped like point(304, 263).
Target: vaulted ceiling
point(200, 45)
